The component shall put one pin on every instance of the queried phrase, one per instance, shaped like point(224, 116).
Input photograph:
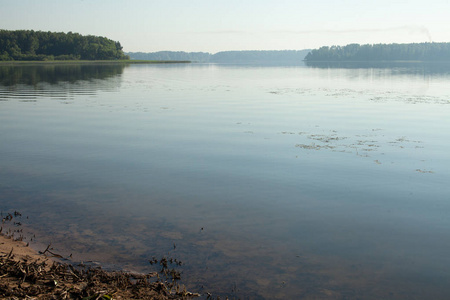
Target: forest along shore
point(26, 273)
point(75, 62)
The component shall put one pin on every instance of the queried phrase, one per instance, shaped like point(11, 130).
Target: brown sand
point(19, 249)
point(27, 274)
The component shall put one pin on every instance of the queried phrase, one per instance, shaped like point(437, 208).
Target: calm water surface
point(268, 182)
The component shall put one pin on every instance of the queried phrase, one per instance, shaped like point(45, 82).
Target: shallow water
point(322, 182)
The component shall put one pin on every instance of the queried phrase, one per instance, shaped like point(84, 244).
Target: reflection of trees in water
point(32, 75)
point(28, 83)
point(401, 68)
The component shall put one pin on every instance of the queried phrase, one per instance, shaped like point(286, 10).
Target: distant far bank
point(53, 47)
point(413, 52)
point(236, 57)
point(418, 52)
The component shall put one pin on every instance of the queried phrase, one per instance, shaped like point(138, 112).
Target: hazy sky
point(217, 25)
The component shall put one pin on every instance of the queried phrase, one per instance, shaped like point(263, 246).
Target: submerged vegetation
point(382, 52)
point(30, 45)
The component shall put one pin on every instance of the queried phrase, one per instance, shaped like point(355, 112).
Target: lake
point(310, 181)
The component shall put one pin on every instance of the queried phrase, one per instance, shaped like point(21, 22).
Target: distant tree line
point(257, 56)
point(171, 56)
point(382, 52)
point(260, 56)
point(40, 45)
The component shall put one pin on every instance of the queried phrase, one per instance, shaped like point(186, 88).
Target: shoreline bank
point(71, 62)
point(25, 273)
point(19, 250)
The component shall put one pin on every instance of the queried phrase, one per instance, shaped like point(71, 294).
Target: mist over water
point(271, 182)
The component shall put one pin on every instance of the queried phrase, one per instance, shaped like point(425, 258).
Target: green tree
point(38, 45)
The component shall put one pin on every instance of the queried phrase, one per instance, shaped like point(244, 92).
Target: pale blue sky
point(217, 25)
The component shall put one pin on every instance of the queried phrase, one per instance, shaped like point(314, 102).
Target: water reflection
point(401, 68)
point(276, 183)
point(29, 82)
point(54, 74)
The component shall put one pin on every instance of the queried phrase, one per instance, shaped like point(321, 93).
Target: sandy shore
point(28, 274)
point(19, 249)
